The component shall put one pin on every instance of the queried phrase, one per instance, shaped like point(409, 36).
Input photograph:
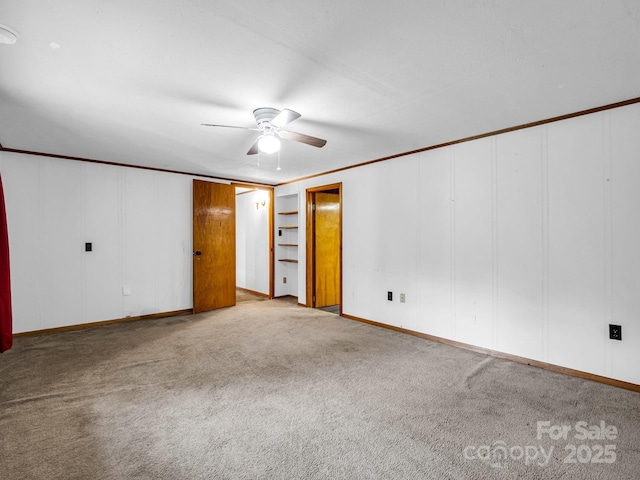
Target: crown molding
point(493, 133)
point(140, 167)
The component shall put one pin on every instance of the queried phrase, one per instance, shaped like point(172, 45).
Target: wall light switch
point(126, 291)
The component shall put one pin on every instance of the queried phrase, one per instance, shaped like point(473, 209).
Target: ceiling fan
point(270, 122)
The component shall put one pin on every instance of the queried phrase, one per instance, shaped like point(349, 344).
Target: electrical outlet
point(284, 279)
point(390, 296)
point(402, 298)
point(615, 332)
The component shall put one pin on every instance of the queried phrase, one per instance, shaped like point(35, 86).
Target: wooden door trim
point(310, 235)
point(271, 232)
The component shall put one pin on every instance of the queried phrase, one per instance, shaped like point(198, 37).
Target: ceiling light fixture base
point(8, 35)
point(264, 116)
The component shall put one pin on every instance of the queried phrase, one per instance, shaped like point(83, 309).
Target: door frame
point(310, 241)
point(270, 191)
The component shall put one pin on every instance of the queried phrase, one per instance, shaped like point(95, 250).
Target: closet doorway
point(324, 247)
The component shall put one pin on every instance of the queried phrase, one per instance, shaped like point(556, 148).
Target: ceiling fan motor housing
point(264, 116)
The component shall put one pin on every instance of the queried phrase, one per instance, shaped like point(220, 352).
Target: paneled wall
point(139, 224)
point(524, 243)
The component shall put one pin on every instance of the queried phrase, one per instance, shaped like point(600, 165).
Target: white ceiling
point(130, 81)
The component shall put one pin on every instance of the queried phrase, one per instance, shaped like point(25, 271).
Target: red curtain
point(6, 334)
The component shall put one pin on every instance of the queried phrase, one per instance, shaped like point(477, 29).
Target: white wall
point(139, 222)
point(524, 243)
point(252, 241)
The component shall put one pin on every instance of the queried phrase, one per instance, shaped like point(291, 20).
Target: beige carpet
point(272, 390)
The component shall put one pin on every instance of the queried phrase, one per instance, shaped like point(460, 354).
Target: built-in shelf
point(287, 251)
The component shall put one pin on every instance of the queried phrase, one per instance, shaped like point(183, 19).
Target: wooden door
point(327, 248)
point(214, 246)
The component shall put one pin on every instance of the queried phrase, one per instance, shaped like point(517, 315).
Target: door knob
point(197, 253)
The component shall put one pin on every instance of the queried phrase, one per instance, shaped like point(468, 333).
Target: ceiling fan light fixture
point(269, 144)
point(270, 122)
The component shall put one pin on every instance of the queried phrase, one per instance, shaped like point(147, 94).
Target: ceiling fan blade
point(300, 137)
point(229, 126)
point(254, 148)
point(285, 117)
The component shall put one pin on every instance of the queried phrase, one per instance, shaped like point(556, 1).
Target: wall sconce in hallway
point(261, 198)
